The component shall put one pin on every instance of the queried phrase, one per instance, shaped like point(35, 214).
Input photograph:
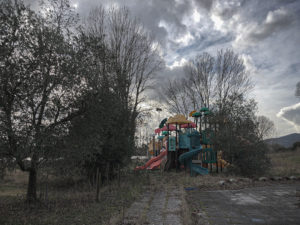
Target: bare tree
point(119, 62)
point(209, 82)
point(130, 53)
point(201, 76)
point(231, 77)
point(264, 127)
point(134, 59)
point(179, 97)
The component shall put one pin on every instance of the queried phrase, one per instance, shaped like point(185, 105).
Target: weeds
point(69, 202)
point(285, 163)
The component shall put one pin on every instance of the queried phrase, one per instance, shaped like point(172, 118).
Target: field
point(67, 201)
point(285, 163)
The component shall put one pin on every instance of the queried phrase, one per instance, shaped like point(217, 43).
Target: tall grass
point(68, 202)
point(285, 163)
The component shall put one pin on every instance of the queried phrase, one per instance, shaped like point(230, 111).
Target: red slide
point(153, 163)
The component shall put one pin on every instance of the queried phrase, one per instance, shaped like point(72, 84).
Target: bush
point(251, 160)
point(276, 147)
point(296, 146)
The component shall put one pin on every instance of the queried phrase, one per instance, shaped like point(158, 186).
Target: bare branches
point(179, 96)
point(200, 73)
point(209, 82)
point(232, 78)
point(265, 127)
point(130, 61)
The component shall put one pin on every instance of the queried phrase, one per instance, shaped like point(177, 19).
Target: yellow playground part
point(157, 146)
point(221, 162)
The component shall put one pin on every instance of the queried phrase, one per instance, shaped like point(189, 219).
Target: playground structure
point(181, 143)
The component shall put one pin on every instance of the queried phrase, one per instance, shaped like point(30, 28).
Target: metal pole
point(153, 145)
point(217, 163)
point(176, 150)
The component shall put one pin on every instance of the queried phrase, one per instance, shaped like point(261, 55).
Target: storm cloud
point(265, 33)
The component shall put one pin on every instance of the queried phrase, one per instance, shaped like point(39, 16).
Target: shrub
point(251, 160)
point(296, 146)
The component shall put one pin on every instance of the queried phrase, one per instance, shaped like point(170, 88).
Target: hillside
point(286, 141)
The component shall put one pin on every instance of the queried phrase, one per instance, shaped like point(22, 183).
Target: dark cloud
point(151, 13)
point(156, 92)
point(275, 21)
point(206, 4)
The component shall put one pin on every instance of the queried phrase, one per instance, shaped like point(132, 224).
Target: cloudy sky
point(265, 33)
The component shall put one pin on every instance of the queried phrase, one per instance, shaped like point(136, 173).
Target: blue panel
point(172, 144)
point(184, 141)
point(195, 140)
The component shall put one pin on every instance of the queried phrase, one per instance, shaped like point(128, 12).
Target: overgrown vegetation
point(280, 148)
point(285, 163)
point(69, 201)
point(70, 92)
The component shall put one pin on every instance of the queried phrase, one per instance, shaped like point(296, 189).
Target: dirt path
point(162, 207)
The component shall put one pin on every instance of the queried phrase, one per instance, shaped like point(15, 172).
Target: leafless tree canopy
point(130, 53)
point(209, 82)
point(265, 127)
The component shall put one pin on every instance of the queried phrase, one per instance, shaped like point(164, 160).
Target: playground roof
point(178, 119)
point(157, 130)
point(171, 128)
point(165, 128)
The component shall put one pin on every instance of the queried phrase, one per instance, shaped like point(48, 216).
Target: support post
point(217, 163)
point(176, 150)
point(119, 175)
point(153, 145)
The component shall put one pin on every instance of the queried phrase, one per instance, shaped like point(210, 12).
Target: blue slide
point(186, 159)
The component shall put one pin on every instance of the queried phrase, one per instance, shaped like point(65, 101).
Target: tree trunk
point(31, 190)
point(107, 172)
point(98, 177)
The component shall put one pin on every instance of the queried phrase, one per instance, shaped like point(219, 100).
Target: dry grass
point(167, 180)
point(67, 204)
point(71, 203)
point(285, 163)
point(14, 184)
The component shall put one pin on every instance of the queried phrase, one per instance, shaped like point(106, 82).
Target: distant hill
point(285, 141)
